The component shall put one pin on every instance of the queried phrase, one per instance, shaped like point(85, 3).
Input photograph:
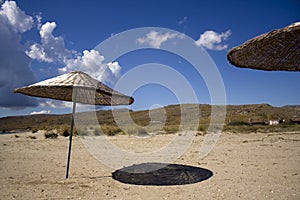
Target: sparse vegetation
point(137, 131)
point(203, 128)
point(171, 129)
point(237, 120)
point(81, 131)
point(97, 131)
point(51, 135)
point(238, 123)
point(110, 130)
point(65, 133)
point(261, 128)
point(63, 130)
point(35, 130)
point(32, 137)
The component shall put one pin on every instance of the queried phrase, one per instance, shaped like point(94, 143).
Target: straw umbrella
point(77, 87)
point(276, 50)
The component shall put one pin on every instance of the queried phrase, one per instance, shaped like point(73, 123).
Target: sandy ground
point(244, 166)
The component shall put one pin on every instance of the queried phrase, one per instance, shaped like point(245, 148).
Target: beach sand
point(244, 166)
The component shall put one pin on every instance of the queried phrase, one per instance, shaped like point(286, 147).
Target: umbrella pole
point(70, 139)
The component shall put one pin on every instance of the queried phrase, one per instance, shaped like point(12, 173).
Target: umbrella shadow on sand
point(161, 174)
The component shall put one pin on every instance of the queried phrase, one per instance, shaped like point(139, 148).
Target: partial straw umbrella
point(275, 50)
point(77, 87)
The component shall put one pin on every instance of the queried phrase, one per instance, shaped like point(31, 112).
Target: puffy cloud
point(93, 63)
point(38, 52)
point(15, 65)
point(40, 112)
point(155, 39)
point(51, 48)
point(213, 40)
point(115, 68)
point(16, 18)
point(15, 60)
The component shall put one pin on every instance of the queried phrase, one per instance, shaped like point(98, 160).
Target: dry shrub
point(137, 131)
point(110, 130)
point(51, 135)
point(65, 133)
point(171, 129)
point(97, 131)
point(35, 130)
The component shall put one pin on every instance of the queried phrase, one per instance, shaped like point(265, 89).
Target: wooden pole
point(70, 139)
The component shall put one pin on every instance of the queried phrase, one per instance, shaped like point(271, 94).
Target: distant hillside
point(292, 106)
point(236, 115)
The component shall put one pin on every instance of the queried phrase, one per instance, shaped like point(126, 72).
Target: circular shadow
point(165, 174)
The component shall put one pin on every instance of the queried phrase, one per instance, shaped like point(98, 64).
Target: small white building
point(273, 122)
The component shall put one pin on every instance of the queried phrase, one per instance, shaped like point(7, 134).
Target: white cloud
point(19, 21)
point(51, 48)
point(40, 112)
point(115, 68)
point(15, 60)
point(55, 104)
point(39, 20)
point(15, 65)
point(213, 40)
point(92, 62)
point(38, 52)
point(155, 39)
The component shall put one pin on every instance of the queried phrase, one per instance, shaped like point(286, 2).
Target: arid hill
point(244, 116)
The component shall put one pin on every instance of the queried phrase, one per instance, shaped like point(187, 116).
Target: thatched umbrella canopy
point(276, 50)
point(88, 90)
point(77, 87)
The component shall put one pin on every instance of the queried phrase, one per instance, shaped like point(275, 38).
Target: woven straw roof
point(276, 50)
point(88, 90)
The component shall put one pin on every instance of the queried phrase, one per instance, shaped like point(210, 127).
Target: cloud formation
point(155, 39)
point(93, 63)
point(17, 19)
point(51, 48)
point(55, 104)
point(40, 112)
point(213, 41)
point(67, 104)
point(15, 65)
point(16, 59)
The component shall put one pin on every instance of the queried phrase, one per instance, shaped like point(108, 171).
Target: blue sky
point(42, 39)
